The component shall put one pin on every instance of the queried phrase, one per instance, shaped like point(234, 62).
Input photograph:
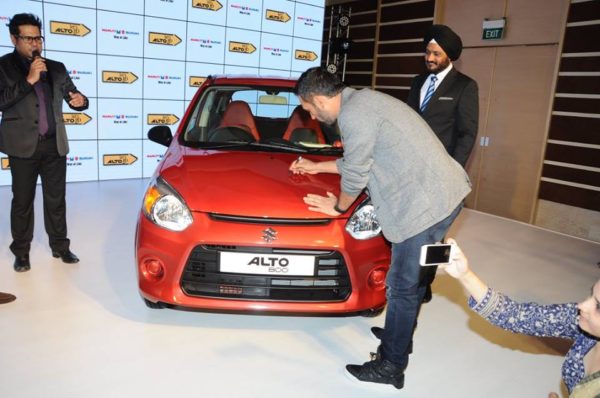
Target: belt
point(46, 137)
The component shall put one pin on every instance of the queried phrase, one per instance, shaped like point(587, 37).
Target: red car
point(223, 225)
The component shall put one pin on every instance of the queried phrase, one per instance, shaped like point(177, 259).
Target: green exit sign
point(493, 30)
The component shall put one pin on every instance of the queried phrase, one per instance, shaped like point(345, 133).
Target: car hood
point(252, 184)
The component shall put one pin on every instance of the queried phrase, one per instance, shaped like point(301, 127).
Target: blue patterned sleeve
point(554, 320)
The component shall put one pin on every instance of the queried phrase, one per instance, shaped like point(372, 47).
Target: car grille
point(202, 278)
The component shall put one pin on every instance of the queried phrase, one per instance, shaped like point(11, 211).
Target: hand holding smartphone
point(436, 254)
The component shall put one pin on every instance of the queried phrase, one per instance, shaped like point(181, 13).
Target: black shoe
point(428, 295)
point(6, 298)
point(66, 256)
point(377, 332)
point(22, 263)
point(378, 371)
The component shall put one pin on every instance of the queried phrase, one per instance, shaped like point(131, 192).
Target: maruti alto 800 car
point(223, 225)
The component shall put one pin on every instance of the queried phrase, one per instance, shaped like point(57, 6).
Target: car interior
point(242, 114)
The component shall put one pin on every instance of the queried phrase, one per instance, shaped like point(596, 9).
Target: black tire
point(155, 306)
point(372, 313)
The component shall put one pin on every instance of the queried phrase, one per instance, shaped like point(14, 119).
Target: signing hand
point(77, 100)
point(322, 204)
point(303, 166)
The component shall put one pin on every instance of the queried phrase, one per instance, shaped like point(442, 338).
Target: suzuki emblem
point(269, 235)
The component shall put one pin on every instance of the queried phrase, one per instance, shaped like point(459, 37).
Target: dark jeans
point(52, 169)
point(405, 293)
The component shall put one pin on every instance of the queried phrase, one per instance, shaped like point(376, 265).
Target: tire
point(155, 306)
point(372, 313)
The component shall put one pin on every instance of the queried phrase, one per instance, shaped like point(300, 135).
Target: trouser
point(405, 293)
point(52, 169)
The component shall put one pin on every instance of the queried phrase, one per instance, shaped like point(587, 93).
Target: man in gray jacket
point(416, 187)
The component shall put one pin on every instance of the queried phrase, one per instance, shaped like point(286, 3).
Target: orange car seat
point(238, 114)
point(301, 127)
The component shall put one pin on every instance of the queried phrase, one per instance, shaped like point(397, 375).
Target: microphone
point(35, 54)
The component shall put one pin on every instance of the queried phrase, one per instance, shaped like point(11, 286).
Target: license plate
point(267, 264)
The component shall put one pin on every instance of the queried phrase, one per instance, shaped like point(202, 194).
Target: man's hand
point(322, 204)
point(77, 100)
point(303, 166)
point(38, 65)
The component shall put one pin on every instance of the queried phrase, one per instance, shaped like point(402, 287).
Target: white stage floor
point(83, 331)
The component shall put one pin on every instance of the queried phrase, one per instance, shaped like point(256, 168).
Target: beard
point(437, 67)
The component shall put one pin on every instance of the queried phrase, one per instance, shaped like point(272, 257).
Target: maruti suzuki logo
point(269, 235)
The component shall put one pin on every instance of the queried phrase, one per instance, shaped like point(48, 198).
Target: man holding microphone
point(33, 135)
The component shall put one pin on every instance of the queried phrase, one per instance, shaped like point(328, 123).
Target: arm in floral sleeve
point(554, 320)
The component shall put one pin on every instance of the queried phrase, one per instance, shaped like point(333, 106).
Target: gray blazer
point(390, 149)
point(19, 106)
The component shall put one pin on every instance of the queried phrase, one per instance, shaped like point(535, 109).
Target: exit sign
point(493, 30)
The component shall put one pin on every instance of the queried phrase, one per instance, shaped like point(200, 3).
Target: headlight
point(164, 207)
point(363, 224)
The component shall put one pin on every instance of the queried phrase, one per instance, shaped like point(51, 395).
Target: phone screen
point(437, 254)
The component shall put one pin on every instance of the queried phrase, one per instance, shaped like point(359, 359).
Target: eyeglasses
point(31, 39)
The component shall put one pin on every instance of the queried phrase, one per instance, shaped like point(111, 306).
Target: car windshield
point(256, 118)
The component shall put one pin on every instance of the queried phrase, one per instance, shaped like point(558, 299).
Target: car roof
point(253, 80)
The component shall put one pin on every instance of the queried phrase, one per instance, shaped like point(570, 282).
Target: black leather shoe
point(378, 371)
point(6, 298)
point(67, 256)
point(377, 332)
point(22, 263)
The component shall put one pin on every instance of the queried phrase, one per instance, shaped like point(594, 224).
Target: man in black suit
point(448, 101)
point(452, 111)
point(33, 135)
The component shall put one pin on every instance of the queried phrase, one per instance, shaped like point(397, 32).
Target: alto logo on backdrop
point(239, 47)
point(120, 34)
point(109, 76)
point(212, 5)
point(77, 119)
point(167, 39)
point(163, 79)
point(121, 159)
point(244, 10)
point(161, 119)
point(276, 51)
point(279, 16)
point(308, 21)
point(196, 81)
point(69, 28)
point(119, 118)
point(305, 55)
point(78, 160)
point(75, 74)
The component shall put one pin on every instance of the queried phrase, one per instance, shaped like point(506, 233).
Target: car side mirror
point(161, 135)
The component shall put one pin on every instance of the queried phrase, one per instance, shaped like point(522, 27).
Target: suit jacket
point(19, 106)
point(452, 112)
point(413, 182)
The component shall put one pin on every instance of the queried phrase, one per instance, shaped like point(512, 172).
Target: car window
point(267, 116)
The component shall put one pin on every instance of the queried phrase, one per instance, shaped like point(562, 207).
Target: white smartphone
point(438, 253)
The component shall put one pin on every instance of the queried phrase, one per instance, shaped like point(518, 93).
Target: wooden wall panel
point(571, 173)
point(575, 129)
point(509, 172)
point(569, 195)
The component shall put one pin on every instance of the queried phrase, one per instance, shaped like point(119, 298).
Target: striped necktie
point(428, 94)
